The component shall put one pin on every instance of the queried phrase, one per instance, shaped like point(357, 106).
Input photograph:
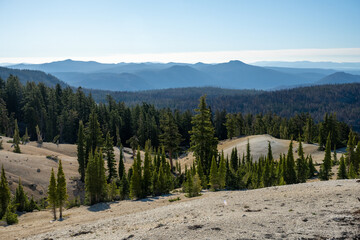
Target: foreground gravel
point(317, 210)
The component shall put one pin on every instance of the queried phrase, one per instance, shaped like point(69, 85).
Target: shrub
point(10, 216)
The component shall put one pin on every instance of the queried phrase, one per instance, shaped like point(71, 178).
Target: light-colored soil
point(318, 210)
point(32, 158)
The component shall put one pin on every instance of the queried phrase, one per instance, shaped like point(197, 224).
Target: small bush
point(10, 216)
point(174, 199)
point(1, 144)
point(74, 203)
point(9, 141)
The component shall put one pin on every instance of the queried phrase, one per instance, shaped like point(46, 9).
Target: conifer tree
point(342, 169)
point(81, 151)
point(154, 183)
point(16, 139)
point(301, 165)
point(61, 193)
point(110, 157)
point(146, 181)
point(124, 187)
point(102, 184)
point(234, 161)
point(214, 180)
point(39, 136)
point(222, 172)
point(325, 170)
point(311, 167)
point(25, 138)
point(5, 194)
point(52, 193)
point(201, 174)
point(94, 136)
point(248, 152)
point(21, 198)
point(170, 138)
point(121, 169)
point(135, 183)
point(134, 143)
point(203, 140)
point(290, 174)
point(352, 173)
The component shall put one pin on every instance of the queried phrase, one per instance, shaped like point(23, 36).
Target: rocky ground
point(316, 210)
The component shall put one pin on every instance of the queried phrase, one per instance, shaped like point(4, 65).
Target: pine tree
point(146, 181)
point(311, 167)
point(121, 169)
point(52, 193)
point(214, 180)
point(234, 161)
point(301, 165)
point(342, 169)
point(61, 193)
point(325, 170)
point(200, 172)
point(203, 140)
point(5, 194)
point(25, 138)
point(94, 136)
point(222, 172)
point(81, 151)
point(124, 187)
point(102, 184)
point(248, 152)
point(290, 174)
point(21, 198)
point(352, 173)
point(39, 136)
point(16, 139)
point(135, 183)
point(170, 138)
point(110, 157)
point(113, 191)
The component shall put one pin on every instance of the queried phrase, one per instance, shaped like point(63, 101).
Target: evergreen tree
point(214, 179)
point(325, 170)
point(222, 172)
point(21, 199)
point(201, 174)
point(25, 138)
point(61, 193)
point(170, 138)
point(81, 151)
point(311, 167)
point(203, 140)
point(234, 160)
point(146, 181)
point(39, 136)
point(248, 152)
point(135, 183)
point(121, 169)
point(110, 157)
point(290, 174)
point(94, 136)
point(301, 165)
point(124, 187)
point(5, 194)
point(10, 215)
point(16, 139)
point(352, 173)
point(134, 143)
point(52, 193)
point(342, 169)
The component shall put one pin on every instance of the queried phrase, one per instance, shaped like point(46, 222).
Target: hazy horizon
point(181, 31)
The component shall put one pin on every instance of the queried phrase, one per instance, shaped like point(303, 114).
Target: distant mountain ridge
point(339, 78)
point(146, 76)
point(31, 76)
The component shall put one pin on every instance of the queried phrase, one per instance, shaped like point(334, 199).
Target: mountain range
point(147, 76)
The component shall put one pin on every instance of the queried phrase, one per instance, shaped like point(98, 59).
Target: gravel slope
point(314, 210)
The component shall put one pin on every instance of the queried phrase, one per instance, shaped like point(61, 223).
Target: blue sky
point(189, 31)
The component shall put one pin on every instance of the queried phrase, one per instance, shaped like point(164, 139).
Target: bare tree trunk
point(54, 211)
point(171, 161)
point(60, 209)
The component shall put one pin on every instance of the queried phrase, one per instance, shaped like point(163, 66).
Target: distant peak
point(236, 62)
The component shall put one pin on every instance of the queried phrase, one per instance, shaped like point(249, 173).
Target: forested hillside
point(344, 100)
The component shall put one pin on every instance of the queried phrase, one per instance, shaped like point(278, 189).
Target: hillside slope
point(320, 210)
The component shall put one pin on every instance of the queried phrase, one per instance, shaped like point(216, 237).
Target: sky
point(180, 31)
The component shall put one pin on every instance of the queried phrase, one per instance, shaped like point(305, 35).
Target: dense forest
point(52, 110)
point(344, 99)
point(41, 113)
